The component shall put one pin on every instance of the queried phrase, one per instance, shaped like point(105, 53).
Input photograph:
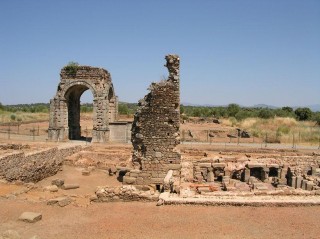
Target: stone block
point(57, 182)
point(85, 172)
point(70, 186)
point(61, 201)
point(205, 165)
point(294, 182)
point(309, 185)
point(173, 166)
point(218, 165)
point(255, 165)
point(304, 184)
point(52, 188)
point(133, 174)
point(30, 217)
point(299, 181)
point(157, 180)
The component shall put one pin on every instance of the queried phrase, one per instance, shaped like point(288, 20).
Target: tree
point(303, 114)
point(233, 109)
point(123, 109)
point(265, 114)
point(316, 118)
point(287, 109)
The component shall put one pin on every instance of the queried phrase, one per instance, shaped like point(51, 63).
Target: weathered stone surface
point(30, 217)
point(65, 106)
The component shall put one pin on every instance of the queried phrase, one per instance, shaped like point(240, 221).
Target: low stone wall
point(125, 193)
point(35, 166)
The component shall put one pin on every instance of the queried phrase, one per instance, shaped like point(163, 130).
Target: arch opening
point(73, 96)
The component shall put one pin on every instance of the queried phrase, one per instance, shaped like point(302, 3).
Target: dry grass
point(282, 130)
point(5, 116)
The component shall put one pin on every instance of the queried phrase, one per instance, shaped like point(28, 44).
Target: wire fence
point(297, 138)
point(309, 138)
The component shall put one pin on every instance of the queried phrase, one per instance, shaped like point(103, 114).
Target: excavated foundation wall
point(155, 130)
point(33, 167)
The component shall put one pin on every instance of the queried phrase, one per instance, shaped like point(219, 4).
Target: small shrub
point(72, 68)
point(283, 129)
point(13, 117)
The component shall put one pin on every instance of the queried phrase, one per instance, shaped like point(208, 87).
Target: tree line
point(232, 110)
point(241, 113)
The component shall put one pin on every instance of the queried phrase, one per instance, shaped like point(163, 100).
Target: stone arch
point(65, 106)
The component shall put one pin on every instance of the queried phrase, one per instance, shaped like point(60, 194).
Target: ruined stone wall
point(125, 193)
point(65, 106)
point(155, 130)
point(33, 167)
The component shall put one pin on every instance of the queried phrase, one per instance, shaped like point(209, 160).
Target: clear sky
point(246, 52)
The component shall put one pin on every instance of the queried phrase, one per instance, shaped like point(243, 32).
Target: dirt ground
point(82, 219)
point(145, 220)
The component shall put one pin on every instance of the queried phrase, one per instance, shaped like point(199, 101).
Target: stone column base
point(100, 135)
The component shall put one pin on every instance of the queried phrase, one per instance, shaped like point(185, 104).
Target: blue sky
point(245, 52)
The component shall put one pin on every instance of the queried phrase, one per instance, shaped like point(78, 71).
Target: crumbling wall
point(33, 167)
point(155, 130)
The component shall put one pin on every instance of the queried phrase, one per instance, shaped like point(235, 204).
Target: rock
point(245, 134)
point(70, 186)
point(129, 180)
point(112, 170)
point(216, 121)
point(94, 198)
point(61, 201)
point(52, 188)
point(30, 217)
point(91, 168)
point(10, 234)
point(160, 202)
point(57, 182)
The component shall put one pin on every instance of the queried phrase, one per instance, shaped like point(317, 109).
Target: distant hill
point(265, 106)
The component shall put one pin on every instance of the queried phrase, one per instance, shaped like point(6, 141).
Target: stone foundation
point(33, 167)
